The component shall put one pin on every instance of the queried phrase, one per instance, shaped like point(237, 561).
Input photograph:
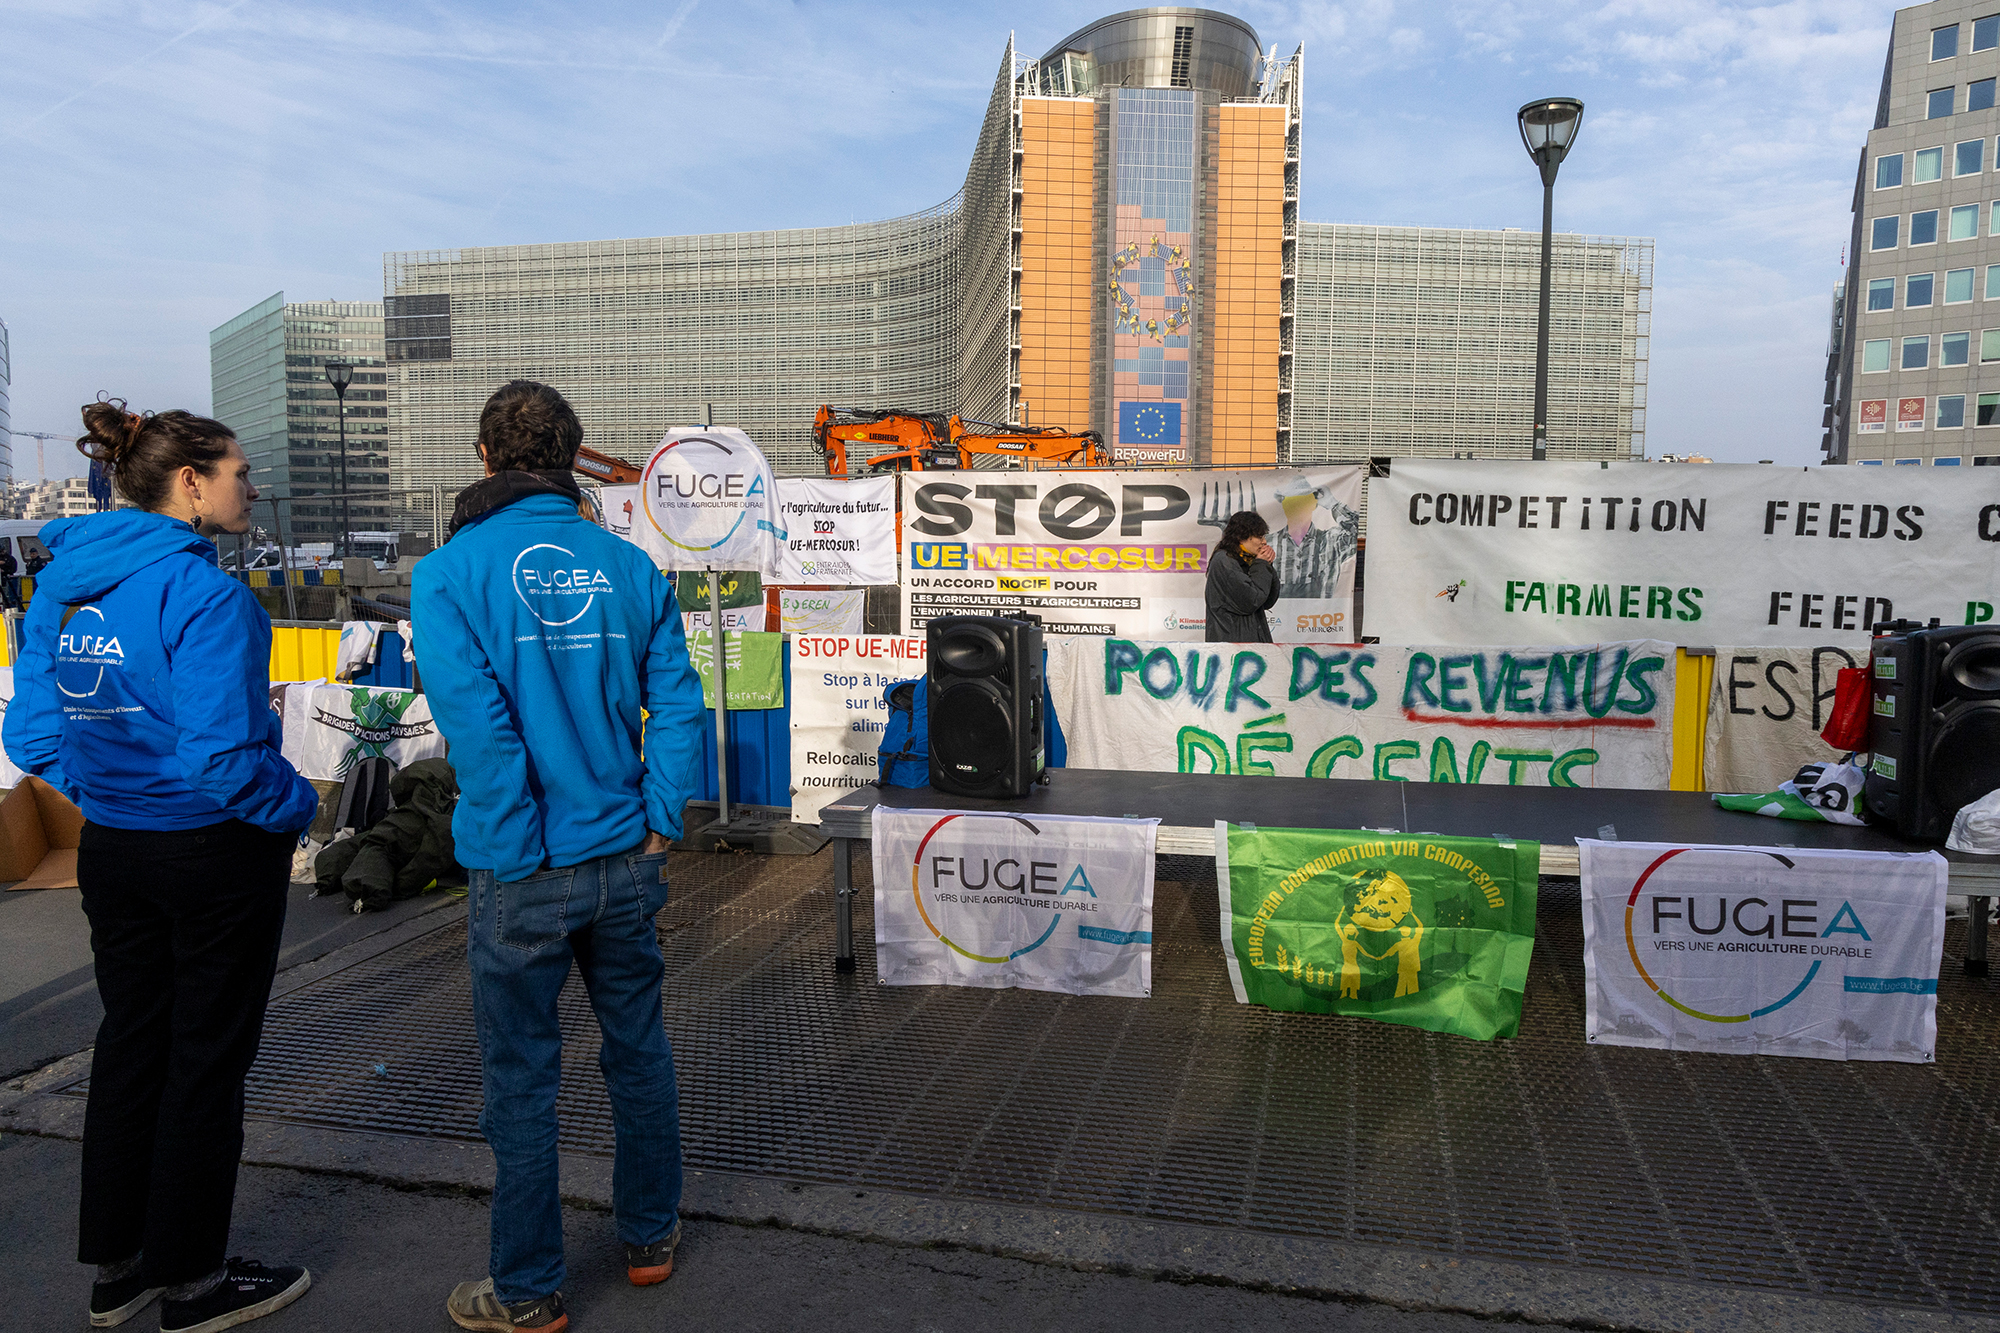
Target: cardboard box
point(39, 832)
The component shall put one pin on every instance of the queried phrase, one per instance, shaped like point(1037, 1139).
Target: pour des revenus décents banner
point(1125, 553)
point(1516, 552)
point(1592, 715)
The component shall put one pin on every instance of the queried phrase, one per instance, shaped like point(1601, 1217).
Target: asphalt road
point(384, 1258)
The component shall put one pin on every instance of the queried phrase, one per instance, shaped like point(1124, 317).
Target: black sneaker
point(112, 1303)
point(648, 1264)
point(473, 1305)
point(248, 1290)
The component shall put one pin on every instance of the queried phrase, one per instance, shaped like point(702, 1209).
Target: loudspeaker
point(984, 693)
point(1934, 731)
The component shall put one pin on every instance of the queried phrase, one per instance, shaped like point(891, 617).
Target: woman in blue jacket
point(142, 694)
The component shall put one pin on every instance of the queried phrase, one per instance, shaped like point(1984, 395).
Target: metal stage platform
point(1867, 1182)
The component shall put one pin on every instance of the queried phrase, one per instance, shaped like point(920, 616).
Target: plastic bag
point(1976, 827)
point(1847, 727)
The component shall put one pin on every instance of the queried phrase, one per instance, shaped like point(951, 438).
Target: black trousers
point(185, 928)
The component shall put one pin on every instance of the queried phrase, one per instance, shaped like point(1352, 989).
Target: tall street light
point(339, 374)
point(1548, 128)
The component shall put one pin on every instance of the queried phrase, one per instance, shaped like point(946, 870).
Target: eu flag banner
point(1149, 423)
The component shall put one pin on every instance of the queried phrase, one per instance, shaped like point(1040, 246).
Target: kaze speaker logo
point(991, 890)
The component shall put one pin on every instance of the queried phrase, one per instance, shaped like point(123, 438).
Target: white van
point(23, 537)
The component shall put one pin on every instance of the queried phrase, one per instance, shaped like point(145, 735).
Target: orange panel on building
point(1058, 153)
point(1246, 267)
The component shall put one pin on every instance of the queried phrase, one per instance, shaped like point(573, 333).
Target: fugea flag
point(987, 898)
point(1762, 950)
point(1420, 929)
point(710, 501)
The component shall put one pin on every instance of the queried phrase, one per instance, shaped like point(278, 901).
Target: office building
point(267, 370)
point(1913, 365)
point(6, 415)
point(1124, 255)
point(65, 498)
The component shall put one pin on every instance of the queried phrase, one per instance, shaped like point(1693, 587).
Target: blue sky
point(167, 164)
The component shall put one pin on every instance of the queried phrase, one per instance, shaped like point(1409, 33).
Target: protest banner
point(1428, 931)
point(838, 712)
point(329, 727)
point(1762, 950)
point(838, 531)
point(1594, 715)
point(822, 610)
point(1765, 712)
point(742, 601)
point(709, 497)
point(754, 664)
point(1125, 553)
point(979, 898)
point(1517, 552)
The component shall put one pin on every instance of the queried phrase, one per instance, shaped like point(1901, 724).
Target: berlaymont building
point(1127, 234)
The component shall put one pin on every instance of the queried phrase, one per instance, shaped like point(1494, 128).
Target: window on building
point(1989, 410)
point(1929, 166)
point(1979, 96)
point(1888, 171)
point(1944, 462)
point(1951, 412)
point(1923, 227)
point(1938, 104)
point(1965, 222)
point(1987, 460)
point(1901, 462)
point(1882, 235)
point(1875, 353)
point(1882, 293)
point(1954, 349)
point(1986, 33)
point(1958, 285)
point(1871, 462)
point(1917, 352)
point(1944, 42)
point(1989, 346)
point(1968, 158)
point(1916, 291)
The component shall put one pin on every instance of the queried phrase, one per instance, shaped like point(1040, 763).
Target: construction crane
point(913, 441)
point(41, 438)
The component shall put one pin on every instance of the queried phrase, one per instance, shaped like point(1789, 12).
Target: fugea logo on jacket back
point(84, 647)
point(550, 584)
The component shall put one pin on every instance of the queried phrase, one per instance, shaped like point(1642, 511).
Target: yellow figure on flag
point(1383, 908)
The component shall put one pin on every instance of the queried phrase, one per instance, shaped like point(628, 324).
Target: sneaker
point(112, 1303)
point(647, 1264)
point(248, 1290)
point(473, 1305)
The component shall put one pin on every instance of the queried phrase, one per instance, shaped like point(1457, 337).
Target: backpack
point(904, 757)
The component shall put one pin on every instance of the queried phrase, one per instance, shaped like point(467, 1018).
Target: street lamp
point(1548, 128)
point(339, 374)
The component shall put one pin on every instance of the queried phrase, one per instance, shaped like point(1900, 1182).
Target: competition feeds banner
point(841, 532)
point(1762, 950)
point(1125, 553)
point(838, 713)
point(986, 898)
point(1420, 929)
point(708, 500)
point(1520, 552)
point(1596, 715)
point(329, 727)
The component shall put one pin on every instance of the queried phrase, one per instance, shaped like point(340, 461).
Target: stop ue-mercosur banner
point(988, 898)
point(1125, 553)
point(1424, 930)
point(838, 531)
point(1520, 552)
point(838, 712)
point(1595, 715)
point(1762, 950)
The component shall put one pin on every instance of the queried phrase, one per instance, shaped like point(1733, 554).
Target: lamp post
point(1548, 128)
point(340, 374)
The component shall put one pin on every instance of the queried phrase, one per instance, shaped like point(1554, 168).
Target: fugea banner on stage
point(986, 898)
point(1762, 950)
point(838, 712)
point(1125, 553)
point(1518, 552)
point(1597, 715)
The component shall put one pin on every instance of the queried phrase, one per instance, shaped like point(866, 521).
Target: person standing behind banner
point(10, 584)
point(143, 694)
point(1242, 582)
point(540, 637)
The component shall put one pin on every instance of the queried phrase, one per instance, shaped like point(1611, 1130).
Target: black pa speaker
point(1934, 731)
point(984, 695)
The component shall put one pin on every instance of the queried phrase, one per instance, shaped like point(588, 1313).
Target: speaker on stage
point(1935, 725)
point(984, 693)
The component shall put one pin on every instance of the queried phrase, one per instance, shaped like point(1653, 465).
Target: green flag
point(1414, 928)
point(740, 588)
point(754, 666)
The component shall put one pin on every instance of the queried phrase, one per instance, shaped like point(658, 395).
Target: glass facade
point(1151, 278)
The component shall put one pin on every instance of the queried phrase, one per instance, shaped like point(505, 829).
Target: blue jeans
point(522, 938)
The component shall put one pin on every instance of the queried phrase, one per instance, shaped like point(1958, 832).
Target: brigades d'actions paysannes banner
point(1519, 552)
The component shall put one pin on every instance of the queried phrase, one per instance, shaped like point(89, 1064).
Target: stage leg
point(843, 904)
point(1975, 936)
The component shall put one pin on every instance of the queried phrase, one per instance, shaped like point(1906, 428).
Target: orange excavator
point(604, 468)
point(914, 441)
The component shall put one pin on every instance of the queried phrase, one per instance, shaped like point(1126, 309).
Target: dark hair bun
point(145, 451)
point(109, 430)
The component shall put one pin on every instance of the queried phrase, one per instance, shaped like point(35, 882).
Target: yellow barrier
point(303, 654)
point(1692, 678)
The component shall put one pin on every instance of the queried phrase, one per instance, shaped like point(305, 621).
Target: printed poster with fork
point(1125, 554)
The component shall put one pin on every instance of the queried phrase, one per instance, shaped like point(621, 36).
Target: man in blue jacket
point(540, 638)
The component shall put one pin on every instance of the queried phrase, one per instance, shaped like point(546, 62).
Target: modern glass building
point(267, 371)
point(6, 414)
point(1124, 255)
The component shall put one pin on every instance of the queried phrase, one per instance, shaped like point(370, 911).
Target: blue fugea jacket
point(540, 636)
point(143, 688)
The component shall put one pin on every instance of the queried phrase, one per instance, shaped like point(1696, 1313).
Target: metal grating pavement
point(1877, 1182)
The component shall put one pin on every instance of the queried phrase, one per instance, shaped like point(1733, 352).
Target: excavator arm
point(604, 468)
point(1049, 447)
point(857, 441)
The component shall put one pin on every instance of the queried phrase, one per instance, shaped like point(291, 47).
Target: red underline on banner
point(1533, 724)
